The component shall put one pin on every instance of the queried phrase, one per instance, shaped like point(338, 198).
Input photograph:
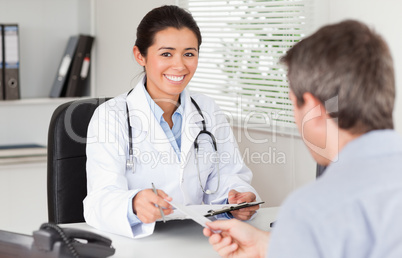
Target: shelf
point(27, 120)
point(37, 101)
point(44, 29)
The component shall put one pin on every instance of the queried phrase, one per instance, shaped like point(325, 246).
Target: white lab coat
point(111, 186)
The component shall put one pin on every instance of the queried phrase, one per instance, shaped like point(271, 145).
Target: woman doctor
point(166, 147)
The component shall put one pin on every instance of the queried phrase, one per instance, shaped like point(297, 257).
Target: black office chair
point(66, 165)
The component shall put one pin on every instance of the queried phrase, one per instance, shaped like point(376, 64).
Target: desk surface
point(176, 239)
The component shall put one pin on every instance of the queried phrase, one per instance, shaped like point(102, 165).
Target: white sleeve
point(108, 196)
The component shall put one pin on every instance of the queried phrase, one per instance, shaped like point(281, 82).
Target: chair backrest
point(66, 165)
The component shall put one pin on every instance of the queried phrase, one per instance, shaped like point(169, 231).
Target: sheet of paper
point(196, 214)
point(200, 209)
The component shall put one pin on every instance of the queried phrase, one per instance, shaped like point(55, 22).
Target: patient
point(343, 90)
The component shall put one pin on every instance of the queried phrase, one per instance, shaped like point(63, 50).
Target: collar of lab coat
point(142, 118)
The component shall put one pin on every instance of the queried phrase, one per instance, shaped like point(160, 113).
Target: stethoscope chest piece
point(130, 164)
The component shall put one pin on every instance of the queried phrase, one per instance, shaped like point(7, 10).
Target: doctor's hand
point(144, 205)
point(237, 239)
point(236, 197)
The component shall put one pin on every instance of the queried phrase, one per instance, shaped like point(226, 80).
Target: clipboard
point(232, 207)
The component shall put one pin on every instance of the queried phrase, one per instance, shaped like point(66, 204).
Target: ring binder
point(78, 79)
point(11, 62)
point(60, 82)
point(1, 64)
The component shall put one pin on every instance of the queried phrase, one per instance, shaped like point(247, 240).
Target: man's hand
point(237, 239)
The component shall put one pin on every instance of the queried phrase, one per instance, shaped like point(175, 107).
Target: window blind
point(243, 41)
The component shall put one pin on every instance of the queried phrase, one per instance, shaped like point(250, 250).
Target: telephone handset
point(69, 242)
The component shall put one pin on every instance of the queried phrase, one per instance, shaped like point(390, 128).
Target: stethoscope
point(130, 160)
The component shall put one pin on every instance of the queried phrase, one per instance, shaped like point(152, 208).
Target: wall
point(280, 163)
point(115, 28)
point(44, 28)
point(27, 121)
point(23, 197)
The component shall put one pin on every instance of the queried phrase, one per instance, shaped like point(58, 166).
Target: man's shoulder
point(304, 200)
point(314, 197)
point(343, 186)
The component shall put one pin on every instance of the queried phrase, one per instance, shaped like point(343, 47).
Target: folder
point(11, 62)
point(60, 82)
point(79, 78)
point(1, 64)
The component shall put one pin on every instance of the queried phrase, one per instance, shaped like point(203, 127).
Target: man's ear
point(318, 131)
point(310, 100)
point(138, 57)
point(313, 105)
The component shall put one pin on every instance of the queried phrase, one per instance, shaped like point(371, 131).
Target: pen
point(160, 208)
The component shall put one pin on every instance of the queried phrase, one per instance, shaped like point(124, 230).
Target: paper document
point(191, 213)
point(201, 209)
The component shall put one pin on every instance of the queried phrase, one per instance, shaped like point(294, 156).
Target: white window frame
point(243, 41)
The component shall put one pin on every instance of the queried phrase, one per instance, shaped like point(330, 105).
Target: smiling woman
point(161, 134)
point(170, 64)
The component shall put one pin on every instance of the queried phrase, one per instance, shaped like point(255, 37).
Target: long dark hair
point(162, 18)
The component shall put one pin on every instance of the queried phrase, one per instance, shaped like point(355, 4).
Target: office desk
point(178, 238)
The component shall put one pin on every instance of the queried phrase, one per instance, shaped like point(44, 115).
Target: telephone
point(52, 241)
point(72, 242)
